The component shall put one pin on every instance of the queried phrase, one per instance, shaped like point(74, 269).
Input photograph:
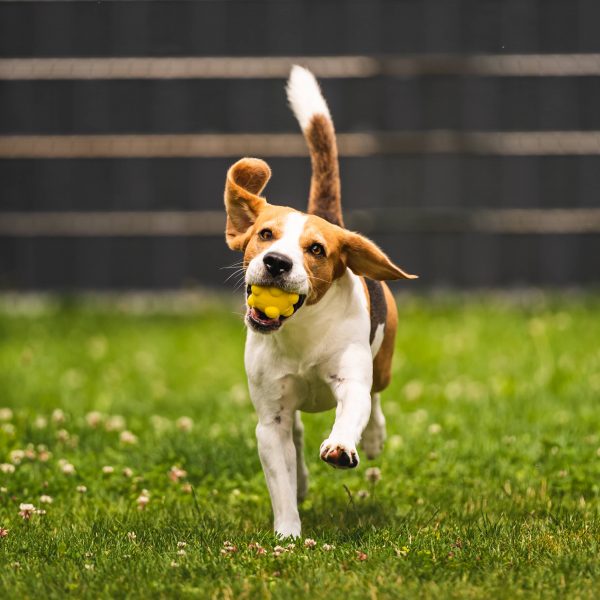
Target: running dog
point(335, 349)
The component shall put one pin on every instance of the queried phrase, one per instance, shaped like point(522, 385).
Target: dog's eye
point(317, 250)
point(266, 234)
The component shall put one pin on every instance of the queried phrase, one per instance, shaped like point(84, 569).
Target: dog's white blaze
point(289, 245)
point(289, 242)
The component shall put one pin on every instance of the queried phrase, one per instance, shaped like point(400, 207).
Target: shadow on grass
point(348, 517)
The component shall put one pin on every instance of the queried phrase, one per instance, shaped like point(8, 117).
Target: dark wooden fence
point(469, 134)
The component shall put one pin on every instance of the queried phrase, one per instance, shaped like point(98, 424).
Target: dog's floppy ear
point(364, 258)
point(245, 180)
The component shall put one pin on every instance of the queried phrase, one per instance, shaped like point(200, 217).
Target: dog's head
point(291, 250)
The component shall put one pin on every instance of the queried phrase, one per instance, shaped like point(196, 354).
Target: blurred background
point(469, 134)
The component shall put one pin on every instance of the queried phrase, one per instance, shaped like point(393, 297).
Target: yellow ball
point(272, 301)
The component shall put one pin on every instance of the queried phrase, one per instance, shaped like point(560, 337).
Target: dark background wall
point(444, 212)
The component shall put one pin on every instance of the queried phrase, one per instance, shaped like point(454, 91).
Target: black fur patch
point(378, 304)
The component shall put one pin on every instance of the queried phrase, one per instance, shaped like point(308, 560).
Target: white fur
point(318, 360)
point(305, 96)
point(289, 244)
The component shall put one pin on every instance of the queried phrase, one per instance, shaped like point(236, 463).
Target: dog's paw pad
point(341, 456)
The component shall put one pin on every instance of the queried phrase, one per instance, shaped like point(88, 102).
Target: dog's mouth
point(259, 321)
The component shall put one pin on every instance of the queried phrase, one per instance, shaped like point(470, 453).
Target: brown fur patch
point(365, 258)
point(325, 198)
point(382, 364)
point(325, 269)
point(245, 180)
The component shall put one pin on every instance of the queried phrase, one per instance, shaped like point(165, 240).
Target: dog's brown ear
point(364, 258)
point(245, 180)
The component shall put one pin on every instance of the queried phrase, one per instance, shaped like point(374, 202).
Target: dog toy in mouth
point(272, 301)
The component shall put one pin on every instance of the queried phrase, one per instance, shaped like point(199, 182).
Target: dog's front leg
point(277, 454)
point(351, 416)
point(278, 458)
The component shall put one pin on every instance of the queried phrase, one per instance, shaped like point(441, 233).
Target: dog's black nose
point(277, 263)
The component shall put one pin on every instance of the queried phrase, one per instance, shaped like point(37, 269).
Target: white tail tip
point(305, 96)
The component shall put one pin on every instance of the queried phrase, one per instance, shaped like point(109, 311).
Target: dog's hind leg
point(374, 434)
point(301, 469)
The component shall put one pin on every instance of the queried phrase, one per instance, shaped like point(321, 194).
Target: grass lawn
point(490, 480)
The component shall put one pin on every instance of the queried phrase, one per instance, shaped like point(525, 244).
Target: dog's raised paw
point(339, 455)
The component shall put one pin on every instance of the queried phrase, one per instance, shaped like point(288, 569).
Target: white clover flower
point(175, 473)
point(40, 422)
point(16, 456)
point(7, 468)
point(94, 418)
point(184, 424)
point(373, 475)
point(45, 499)
point(127, 472)
point(9, 429)
point(309, 543)
point(108, 470)
point(44, 455)
point(434, 428)
point(81, 489)
point(26, 510)
point(413, 390)
point(6, 414)
point(67, 468)
point(62, 435)
point(229, 548)
point(160, 424)
point(127, 437)
point(114, 423)
point(143, 499)
point(58, 416)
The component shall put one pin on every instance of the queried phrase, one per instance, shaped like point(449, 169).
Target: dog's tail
point(312, 113)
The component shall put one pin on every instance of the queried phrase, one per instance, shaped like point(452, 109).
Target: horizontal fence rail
point(229, 67)
point(515, 143)
point(212, 223)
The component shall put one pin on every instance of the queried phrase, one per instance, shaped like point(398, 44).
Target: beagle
point(335, 349)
